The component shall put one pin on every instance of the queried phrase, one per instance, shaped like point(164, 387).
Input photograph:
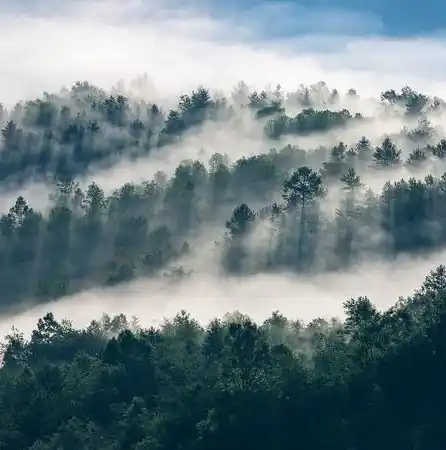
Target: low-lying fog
point(206, 295)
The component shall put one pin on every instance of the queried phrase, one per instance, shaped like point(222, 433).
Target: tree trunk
point(300, 243)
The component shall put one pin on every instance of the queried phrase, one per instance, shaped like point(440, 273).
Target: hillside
point(308, 185)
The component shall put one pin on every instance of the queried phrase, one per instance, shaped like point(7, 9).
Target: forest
point(309, 199)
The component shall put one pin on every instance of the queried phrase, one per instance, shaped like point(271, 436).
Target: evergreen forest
point(249, 184)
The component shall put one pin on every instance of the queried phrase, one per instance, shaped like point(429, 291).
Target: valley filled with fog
point(214, 239)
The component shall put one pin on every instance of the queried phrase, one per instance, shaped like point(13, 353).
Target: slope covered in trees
point(91, 238)
point(294, 208)
point(372, 381)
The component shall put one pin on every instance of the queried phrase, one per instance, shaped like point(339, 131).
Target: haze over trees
point(372, 380)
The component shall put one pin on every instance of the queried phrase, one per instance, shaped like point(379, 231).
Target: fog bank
point(206, 295)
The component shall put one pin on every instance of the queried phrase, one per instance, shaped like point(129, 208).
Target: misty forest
point(317, 189)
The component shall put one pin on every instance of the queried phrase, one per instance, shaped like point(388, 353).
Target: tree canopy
point(371, 380)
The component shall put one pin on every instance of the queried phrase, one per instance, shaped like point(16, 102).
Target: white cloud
point(179, 48)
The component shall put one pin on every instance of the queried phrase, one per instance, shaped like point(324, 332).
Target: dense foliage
point(373, 381)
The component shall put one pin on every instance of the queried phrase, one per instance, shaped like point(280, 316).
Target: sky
point(179, 44)
point(396, 18)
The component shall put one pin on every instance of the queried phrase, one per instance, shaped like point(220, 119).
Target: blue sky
point(395, 18)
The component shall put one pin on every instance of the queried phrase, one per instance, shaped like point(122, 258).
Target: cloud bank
point(181, 45)
point(207, 296)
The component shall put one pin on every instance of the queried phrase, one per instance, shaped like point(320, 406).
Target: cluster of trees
point(375, 380)
point(233, 384)
point(62, 136)
point(88, 238)
point(308, 121)
point(406, 216)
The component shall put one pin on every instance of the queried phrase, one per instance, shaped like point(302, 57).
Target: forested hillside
point(325, 186)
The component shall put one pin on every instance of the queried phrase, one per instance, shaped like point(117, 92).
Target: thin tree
point(299, 191)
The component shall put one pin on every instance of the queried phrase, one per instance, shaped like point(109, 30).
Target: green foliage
point(309, 121)
point(387, 154)
point(112, 385)
point(302, 187)
point(412, 101)
point(373, 380)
